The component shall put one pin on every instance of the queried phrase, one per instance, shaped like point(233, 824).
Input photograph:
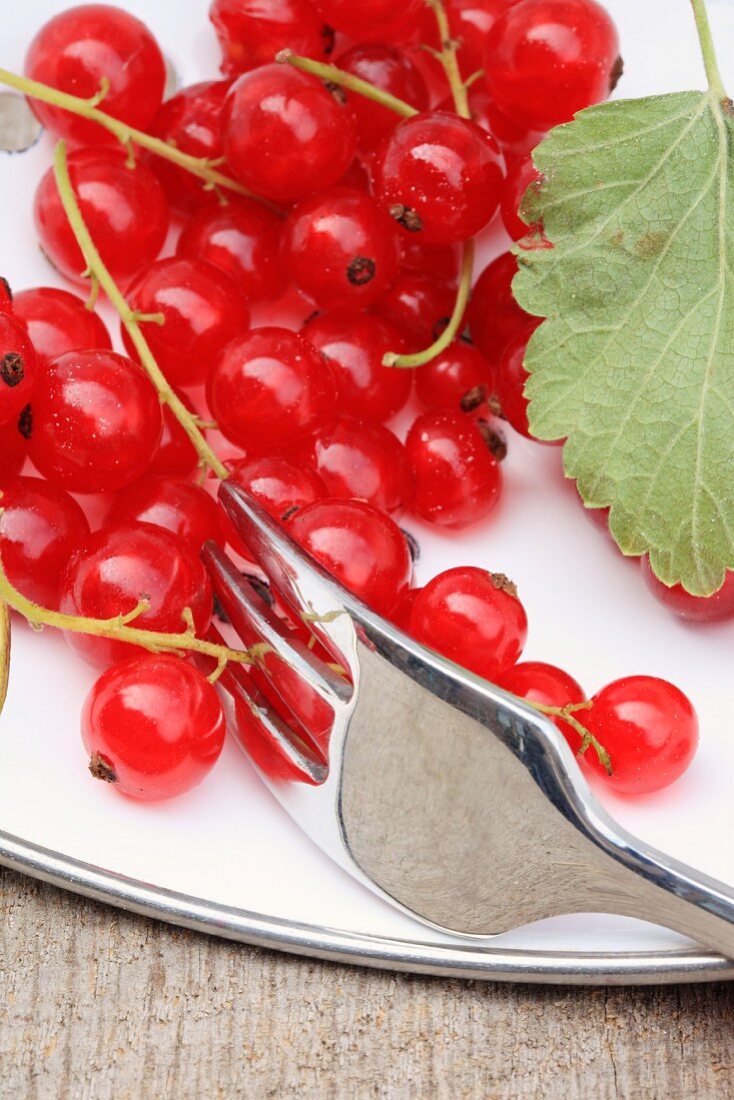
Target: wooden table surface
point(95, 1003)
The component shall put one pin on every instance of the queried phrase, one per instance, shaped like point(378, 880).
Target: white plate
point(226, 858)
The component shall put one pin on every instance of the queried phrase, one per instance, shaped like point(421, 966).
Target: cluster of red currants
point(360, 203)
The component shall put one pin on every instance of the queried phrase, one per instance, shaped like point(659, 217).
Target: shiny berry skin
point(541, 683)
point(203, 311)
point(419, 306)
point(440, 175)
point(510, 382)
point(403, 609)
point(96, 422)
point(361, 547)
point(493, 314)
point(472, 617)
point(243, 240)
point(341, 249)
point(521, 174)
point(13, 451)
point(58, 321)
point(175, 453)
point(648, 727)
point(122, 564)
point(282, 486)
point(270, 390)
point(192, 121)
point(153, 727)
point(285, 135)
point(40, 527)
point(125, 210)
point(172, 503)
point(252, 32)
point(470, 22)
point(6, 296)
point(372, 20)
point(457, 478)
point(694, 609)
point(390, 70)
point(458, 379)
point(547, 59)
point(360, 460)
point(354, 345)
point(78, 49)
point(18, 368)
point(441, 260)
point(515, 141)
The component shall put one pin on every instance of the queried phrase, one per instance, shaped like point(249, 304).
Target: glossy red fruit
point(172, 503)
point(6, 296)
point(282, 486)
point(493, 314)
point(191, 120)
point(252, 32)
point(18, 368)
point(360, 460)
point(120, 565)
point(80, 50)
point(470, 21)
point(203, 310)
point(270, 390)
point(13, 449)
point(514, 140)
point(58, 321)
point(541, 683)
point(125, 210)
point(354, 345)
point(175, 453)
point(243, 240)
point(96, 422)
point(403, 609)
point(372, 20)
point(440, 176)
point(648, 727)
point(363, 549)
point(510, 382)
point(440, 260)
point(40, 527)
point(153, 727)
point(547, 59)
point(472, 617)
point(341, 249)
point(695, 609)
point(391, 70)
point(457, 478)
point(419, 307)
point(285, 135)
point(458, 379)
point(520, 176)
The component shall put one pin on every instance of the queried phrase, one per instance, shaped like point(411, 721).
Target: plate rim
point(460, 960)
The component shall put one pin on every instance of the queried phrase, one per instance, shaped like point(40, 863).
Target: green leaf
point(634, 365)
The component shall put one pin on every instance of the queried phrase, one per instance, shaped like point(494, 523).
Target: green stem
point(418, 358)
point(447, 57)
point(708, 49)
point(332, 74)
point(567, 714)
point(97, 271)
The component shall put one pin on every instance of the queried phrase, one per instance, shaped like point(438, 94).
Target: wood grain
point(98, 1004)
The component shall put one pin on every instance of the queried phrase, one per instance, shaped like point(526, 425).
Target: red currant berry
point(86, 49)
point(510, 382)
point(175, 453)
point(521, 175)
point(354, 345)
point(356, 176)
point(191, 120)
point(403, 609)
point(457, 478)
point(363, 461)
point(40, 527)
point(515, 141)
point(419, 306)
point(58, 321)
point(285, 135)
point(125, 210)
point(470, 21)
point(243, 240)
point(459, 379)
point(18, 368)
point(549, 685)
point(6, 296)
point(153, 727)
point(472, 617)
point(364, 549)
point(390, 70)
point(13, 450)
point(171, 503)
point(440, 175)
point(547, 59)
point(252, 32)
point(281, 486)
point(96, 422)
point(372, 20)
point(202, 308)
point(270, 390)
point(494, 316)
point(648, 727)
point(441, 260)
point(695, 609)
point(341, 249)
point(117, 567)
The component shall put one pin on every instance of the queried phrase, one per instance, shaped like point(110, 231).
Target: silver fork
point(447, 797)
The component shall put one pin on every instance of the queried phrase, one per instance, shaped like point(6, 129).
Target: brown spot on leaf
point(651, 244)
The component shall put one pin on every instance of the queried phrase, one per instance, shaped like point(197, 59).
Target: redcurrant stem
point(588, 741)
point(126, 135)
point(131, 320)
point(708, 49)
point(332, 74)
point(418, 358)
point(447, 57)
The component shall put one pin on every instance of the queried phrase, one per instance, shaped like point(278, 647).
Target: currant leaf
point(634, 364)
